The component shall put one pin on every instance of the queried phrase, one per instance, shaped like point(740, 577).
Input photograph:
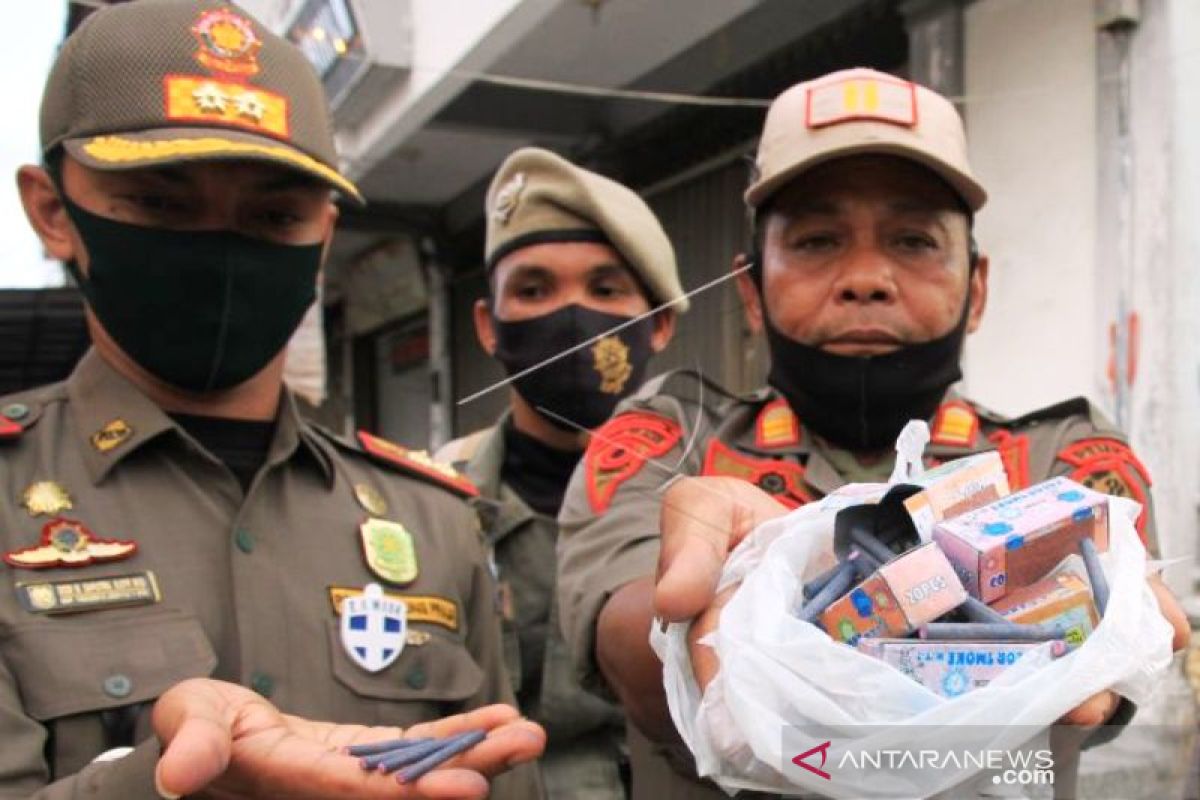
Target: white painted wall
point(1030, 114)
point(1040, 123)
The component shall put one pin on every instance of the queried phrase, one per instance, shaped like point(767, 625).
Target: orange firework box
point(1018, 539)
point(1062, 600)
point(906, 592)
point(955, 488)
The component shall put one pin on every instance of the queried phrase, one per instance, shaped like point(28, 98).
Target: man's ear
point(664, 329)
point(978, 284)
point(747, 287)
point(485, 331)
point(46, 214)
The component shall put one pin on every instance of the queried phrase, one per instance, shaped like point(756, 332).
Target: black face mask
point(862, 402)
point(200, 310)
point(584, 387)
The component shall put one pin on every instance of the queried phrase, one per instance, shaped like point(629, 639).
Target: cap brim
point(183, 145)
point(964, 185)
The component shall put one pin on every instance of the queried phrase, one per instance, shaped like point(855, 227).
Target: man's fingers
point(485, 718)
point(702, 520)
point(515, 743)
point(1092, 712)
point(1172, 611)
point(196, 755)
point(449, 784)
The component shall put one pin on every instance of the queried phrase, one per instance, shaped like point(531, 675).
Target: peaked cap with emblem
point(538, 197)
point(860, 111)
point(168, 81)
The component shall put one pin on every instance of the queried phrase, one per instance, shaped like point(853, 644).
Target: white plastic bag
point(783, 682)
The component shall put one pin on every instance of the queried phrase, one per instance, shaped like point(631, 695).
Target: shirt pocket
point(432, 678)
point(74, 672)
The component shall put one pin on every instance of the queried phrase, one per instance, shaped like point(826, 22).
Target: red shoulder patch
point(955, 425)
point(417, 461)
point(1014, 453)
point(783, 480)
point(776, 426)
point(620, 448)
point(1108, 465)
point(9, 429)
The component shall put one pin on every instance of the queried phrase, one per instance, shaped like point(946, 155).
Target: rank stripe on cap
point(421, 608)
point(777, 426)
point(783, 480)
point(195, 98)
point(619, 449)
point(863, 99)
point(9, 429)
point(956, 425)
point(417, 461)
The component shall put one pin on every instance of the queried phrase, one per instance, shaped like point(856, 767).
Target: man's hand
point(223, 740)
point(1099, 708)
point(703, 520)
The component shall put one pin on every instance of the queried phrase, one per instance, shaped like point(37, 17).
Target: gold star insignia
point(46, 497)
point(250, 105)
point(209, 98)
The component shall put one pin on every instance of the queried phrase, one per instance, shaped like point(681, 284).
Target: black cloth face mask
point(862, 402)
point(584, 387)
point(200, 310)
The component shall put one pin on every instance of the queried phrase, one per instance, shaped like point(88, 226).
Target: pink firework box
point(954, 488)
point(1016, 540)
point(908, 591)
point(949, 668)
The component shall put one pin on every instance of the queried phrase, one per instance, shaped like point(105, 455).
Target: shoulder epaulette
point(402, 459)
point(1076, 406)
point(9, 430)
point(619, 449)
point(416, 461)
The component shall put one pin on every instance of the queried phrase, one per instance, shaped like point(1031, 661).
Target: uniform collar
point(113, 419)
point(501, 507)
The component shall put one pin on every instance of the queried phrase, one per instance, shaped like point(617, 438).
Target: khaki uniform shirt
point(584, 733)
point(221, 584)
point(681, 424)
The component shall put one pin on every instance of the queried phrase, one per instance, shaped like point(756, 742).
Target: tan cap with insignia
point(858, 111)
point(167, 81)
point(538, 197)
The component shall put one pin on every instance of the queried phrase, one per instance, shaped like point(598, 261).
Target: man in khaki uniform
point(169, 514)
point(866, 280)
point(570, 256)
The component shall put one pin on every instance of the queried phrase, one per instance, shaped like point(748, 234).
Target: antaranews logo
point(823, 749)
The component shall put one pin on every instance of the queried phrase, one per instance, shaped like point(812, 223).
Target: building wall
point(1030, 109)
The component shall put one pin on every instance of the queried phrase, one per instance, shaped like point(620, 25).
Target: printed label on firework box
point(1062, 600)
point(1016, 540)
point(947, 668)
point(955, 488)
point(908, 591)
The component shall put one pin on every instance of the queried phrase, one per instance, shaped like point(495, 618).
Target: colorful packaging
point(955, 488)
point(947, 668)
point(1063, 600)
point(917, 587)
point(1018, 539)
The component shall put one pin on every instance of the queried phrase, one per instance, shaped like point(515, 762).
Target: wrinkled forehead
point(892, 183)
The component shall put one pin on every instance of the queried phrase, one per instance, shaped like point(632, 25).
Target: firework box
point(910, 590)
point(955, 488)
point(1016, 540)
point(947, 668)
point(1063, 600)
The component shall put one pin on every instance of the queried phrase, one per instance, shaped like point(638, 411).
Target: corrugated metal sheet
point(707, 223)
point(42, 336)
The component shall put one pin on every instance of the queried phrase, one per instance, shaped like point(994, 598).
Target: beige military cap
point(857, 111)
point(166, 81)
point(537, 197)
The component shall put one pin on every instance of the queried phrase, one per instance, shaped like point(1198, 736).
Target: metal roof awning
point(42, 336)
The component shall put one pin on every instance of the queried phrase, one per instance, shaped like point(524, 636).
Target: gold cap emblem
point(507, 198)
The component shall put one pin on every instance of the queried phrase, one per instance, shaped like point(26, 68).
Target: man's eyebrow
point(809, 206)
point(610, 269)
point(921, 205)
point(530, 270)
